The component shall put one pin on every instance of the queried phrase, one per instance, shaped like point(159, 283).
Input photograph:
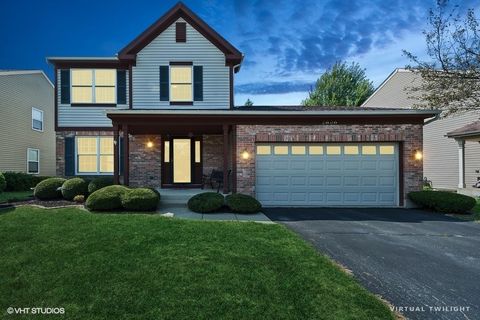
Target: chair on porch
point(215, 177)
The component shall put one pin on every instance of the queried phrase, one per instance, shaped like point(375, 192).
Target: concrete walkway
point(182, 212)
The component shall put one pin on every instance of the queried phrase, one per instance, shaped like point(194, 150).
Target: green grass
point(15, 196)
point(474, 216)
point(114, 266)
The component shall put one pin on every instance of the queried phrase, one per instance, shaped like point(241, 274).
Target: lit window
point(334, 150)
point(263, 150)
point(369, 150)
point(387, 150)
point(37, 119)
point(95, 155)
point(181, 83)
point(298, 150)
point(281, 150)
point(315, 150)
point(197, 152)
point(93, 85)
point(33, 161)
point(350, 150)
point(166, 151)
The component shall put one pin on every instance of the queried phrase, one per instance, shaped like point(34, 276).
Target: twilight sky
point(287, 43)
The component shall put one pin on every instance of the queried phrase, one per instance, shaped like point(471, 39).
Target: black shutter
point(198, 83)
point(121, 86)
point(69, 156)
point(164, 85)
point(65, 86)
point(120, 155)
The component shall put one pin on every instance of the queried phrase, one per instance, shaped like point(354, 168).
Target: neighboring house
point(27, 132)
point(441, 163)
point(161, 114)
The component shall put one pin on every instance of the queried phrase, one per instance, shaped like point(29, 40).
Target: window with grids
point(95, 155)
point(93, 86)
point(33, 161)
point(37, 119)
point(181, 83)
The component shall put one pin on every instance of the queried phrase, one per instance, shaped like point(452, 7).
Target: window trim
point(179, 64)
point(93, 103)
point(98, 155)
point(38, 161)
point(43, 122)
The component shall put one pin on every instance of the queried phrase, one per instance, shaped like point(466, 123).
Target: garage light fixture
point(418, 155)
point(245, 155)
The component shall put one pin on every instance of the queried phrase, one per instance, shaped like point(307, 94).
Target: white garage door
point(327, 174)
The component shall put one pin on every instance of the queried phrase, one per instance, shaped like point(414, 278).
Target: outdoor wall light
point(245, 155)
point(149, 144)
point(418, 155)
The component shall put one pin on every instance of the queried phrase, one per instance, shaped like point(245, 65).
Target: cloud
point(273, 87)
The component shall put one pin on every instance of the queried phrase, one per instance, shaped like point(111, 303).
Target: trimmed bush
point(49, 189)
point(141, 199)
point(3, 183)
point(242, 203)
point(74, 187)
point(99, 183)
point(20, 181)
point(205, 202)
point(107, 198)
point(79, 198)
point(443, 201)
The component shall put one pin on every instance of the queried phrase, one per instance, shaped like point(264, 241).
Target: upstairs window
point(37, 119)
point(181, 89)
point(93, 86)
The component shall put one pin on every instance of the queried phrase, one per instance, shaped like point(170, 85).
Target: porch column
point(225, 158)
point(126, 153)
point(461, 163)
point(115, 154)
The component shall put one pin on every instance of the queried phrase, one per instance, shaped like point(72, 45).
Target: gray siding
point(69, 116)
point(393, 93)
point(162, 50)
point(441, 153)
point(18, 94)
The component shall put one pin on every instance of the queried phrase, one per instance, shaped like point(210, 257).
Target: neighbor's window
point(95, 155)
point(37, 119)
point(33, 161)
point(93, 85)
point(181, 83)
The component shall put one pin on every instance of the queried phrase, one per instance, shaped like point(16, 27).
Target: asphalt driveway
point(426, 263)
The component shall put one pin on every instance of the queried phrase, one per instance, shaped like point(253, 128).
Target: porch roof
point(468, 131)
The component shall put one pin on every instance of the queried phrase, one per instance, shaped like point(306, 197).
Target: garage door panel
point(328, 180)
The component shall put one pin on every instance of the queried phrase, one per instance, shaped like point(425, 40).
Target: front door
point(182, 162)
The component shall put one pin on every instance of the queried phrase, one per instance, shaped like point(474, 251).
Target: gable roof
point(233, 56)
point(22, 72)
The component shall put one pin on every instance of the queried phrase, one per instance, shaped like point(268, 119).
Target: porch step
point(178, 196)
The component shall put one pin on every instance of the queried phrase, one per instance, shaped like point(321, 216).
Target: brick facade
point(409, 137)
point(145, 162)
point(212, 153)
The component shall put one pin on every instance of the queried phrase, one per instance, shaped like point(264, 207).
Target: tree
point(342, 85)
point(451, 77)
point(248, 103)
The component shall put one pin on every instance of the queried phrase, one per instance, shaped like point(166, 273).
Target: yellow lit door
point(182, 162)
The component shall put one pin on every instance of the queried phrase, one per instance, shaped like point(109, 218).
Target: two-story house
point(27, 132)
point(161, 114)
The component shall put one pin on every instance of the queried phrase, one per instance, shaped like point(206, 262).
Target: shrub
point(205, 202)
point(443, 201)
point(3, 182)
point(107, 198)
point(141, 199)
point(99, 183)
point(49, 189)
point(74, 187)
point(242, 203)
point(20, 181)
point(79, 198)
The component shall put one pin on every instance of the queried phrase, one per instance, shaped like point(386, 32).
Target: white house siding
point(441, 153)
point(18, 94)
point(164, 49)
point(69, 116)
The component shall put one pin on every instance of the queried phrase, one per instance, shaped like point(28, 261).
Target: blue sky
point(287, 43)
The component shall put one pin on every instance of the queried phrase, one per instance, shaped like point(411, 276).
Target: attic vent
point(181, 31)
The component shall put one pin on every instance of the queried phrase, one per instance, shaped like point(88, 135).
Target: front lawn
point(15, 196)
point(113, 266)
